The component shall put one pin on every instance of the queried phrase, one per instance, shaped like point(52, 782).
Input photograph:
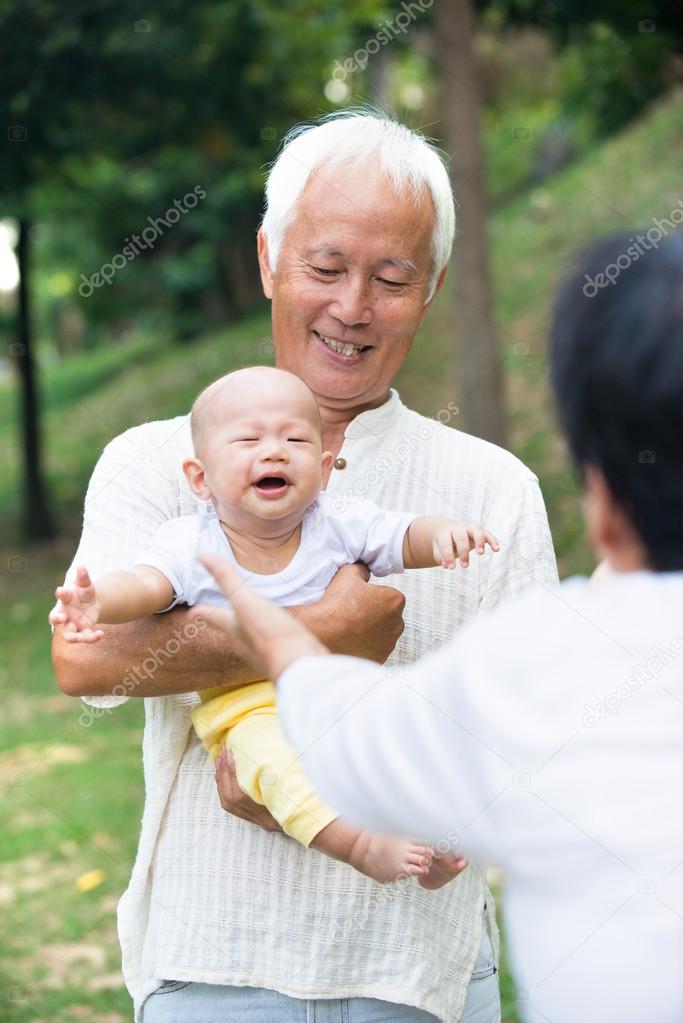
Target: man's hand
point(80, 610)
point(235, 801)
point(364, 620)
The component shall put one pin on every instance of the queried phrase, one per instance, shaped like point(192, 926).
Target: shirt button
point(340, 463)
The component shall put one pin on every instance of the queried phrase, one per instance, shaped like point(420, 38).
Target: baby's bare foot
point(385, 858)
point(444, 867)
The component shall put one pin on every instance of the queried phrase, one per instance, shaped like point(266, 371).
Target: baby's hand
point(80, 610)
point(456, 540)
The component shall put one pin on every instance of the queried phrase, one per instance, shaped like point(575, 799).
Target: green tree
point(113, 116)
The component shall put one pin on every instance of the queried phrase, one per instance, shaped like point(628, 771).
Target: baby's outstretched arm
point(431, 540)
point(117, 597)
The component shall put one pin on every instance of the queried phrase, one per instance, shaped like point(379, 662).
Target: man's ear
point(327, 462)
point(196, 477)
point(437, 288)
point(264, 263)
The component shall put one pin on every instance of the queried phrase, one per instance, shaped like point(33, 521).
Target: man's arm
point(187, 652)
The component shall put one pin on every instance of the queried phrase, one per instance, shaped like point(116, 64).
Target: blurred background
point(135, 143)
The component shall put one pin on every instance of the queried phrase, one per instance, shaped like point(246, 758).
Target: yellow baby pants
point(267, 766)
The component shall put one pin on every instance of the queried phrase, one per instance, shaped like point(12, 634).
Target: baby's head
point(258, 447)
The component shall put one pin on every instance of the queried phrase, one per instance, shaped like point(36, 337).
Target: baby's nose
point(275, 451)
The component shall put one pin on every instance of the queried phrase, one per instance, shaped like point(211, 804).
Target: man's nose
point(352, 302)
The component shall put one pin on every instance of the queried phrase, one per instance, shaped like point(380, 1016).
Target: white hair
point(410, 162)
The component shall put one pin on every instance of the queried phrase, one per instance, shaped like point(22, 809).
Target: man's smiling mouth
point(341, 347)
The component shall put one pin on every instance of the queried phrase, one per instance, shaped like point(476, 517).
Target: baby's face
point(262, 456)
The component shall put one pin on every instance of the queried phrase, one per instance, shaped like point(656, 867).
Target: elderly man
point(224, 919)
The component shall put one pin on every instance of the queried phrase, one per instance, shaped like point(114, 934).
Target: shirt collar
point(376, 421)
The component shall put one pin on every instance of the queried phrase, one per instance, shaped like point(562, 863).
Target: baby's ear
point(327, 462)
point(195, 476)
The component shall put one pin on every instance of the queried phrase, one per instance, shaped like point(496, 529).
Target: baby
point(259, 462)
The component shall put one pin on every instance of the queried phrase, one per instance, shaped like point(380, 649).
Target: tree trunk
point(379, 80)
point(479, 359)
point(37, 520)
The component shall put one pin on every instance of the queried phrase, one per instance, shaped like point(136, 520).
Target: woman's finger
point(236, 589)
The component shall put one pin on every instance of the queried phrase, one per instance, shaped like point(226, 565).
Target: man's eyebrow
point(406, 265)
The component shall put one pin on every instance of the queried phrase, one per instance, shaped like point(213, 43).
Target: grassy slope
point(72, 794)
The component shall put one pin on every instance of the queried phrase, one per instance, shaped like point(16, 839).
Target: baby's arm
point(431, 540)
point(118, 597)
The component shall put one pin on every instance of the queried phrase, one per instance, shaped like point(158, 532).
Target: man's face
point(350, 286)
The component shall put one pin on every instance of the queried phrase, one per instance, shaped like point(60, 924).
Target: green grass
point(71, 795)
point(65, 382)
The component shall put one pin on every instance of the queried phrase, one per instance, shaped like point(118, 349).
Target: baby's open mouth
point(271, 484)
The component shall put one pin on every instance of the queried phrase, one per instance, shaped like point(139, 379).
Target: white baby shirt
point(329, 539)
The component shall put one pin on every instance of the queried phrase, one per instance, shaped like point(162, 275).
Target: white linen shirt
point(547, 737)
point(329, 539)
point(215, 899)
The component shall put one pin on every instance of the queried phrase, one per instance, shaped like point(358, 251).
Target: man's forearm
point(177, 652)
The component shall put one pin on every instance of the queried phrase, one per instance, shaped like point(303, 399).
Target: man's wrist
point(320, 618)
point(293, 651)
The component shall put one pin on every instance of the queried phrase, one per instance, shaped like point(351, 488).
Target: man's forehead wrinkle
point(323, 172)
point(324, 250)
point(316, 174)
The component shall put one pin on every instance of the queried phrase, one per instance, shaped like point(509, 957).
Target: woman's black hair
point(616, 358)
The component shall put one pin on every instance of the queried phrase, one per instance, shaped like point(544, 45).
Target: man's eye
point(325, 272)
point(392, 284)
point(298, 440)
point(245, 440)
